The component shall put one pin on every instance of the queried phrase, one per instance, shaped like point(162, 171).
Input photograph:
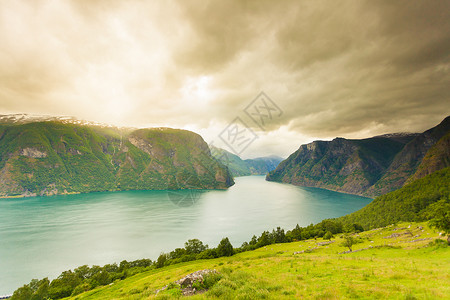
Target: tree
point(194, 246)
point(264, 239)
point(328, 235)
point(442, 222)
point(348, 242)
point(355, 227)
point(23, 293)
point(225, 248)
point(83, 271)
point(63, 285)
point(161, 260)
point(41, 289)
point(279, 235)
point(254, 240)
point(35, 290)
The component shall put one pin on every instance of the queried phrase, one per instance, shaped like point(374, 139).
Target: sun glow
point(198, 89)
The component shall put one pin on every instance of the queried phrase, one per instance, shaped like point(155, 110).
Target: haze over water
point(43, 236)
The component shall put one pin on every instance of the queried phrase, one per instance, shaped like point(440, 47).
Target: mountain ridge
point(368, 167)
point(52, 157)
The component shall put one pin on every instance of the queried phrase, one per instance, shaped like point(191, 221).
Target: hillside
point(373, 261)
point(241, 167)
point(419, 200)
point(368, 167)
point(47, 158)
point(392, 262)
point(437, 158)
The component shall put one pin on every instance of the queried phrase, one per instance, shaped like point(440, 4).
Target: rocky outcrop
point(186, 284)
point(33, 153)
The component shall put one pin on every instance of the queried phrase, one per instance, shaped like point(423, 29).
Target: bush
point(328, 236)
point(225, 248)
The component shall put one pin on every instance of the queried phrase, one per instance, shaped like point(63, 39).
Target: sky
point(327, 69)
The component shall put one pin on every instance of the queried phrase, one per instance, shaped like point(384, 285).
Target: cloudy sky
point(334, 68)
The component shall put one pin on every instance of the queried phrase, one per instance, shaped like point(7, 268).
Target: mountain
point(263, 165)
point(437, 158)
point(406, 163)
point(240, 167)
point(28, 118)
point(54, 157)
point(368, 167)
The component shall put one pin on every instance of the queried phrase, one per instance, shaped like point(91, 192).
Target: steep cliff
point(368, 167)
point(350, 166)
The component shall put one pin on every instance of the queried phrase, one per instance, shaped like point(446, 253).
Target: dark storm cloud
point(349, 68)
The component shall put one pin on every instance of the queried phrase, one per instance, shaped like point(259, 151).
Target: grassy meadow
point(400, 261)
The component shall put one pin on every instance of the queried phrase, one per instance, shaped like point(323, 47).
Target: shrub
point(225, 248)
point(328, 236)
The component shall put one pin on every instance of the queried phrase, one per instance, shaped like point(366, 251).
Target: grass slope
point(413, 202)
point(396, 267)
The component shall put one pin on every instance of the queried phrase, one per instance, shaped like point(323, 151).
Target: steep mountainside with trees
point(368, 167)
point(422, 199)
point(47, 158)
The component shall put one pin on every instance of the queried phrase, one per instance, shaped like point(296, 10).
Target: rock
point(325, 243)
point(33, 153)
point(394, 235)
point(419, 240)
point(187, 282)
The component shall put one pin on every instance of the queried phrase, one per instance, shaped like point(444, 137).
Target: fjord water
point(43, 236)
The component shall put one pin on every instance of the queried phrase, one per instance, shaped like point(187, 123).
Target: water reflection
point(184, 198)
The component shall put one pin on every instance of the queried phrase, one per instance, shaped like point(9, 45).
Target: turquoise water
point(43, 236)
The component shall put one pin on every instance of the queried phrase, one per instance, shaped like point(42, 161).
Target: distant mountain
point(263, 165)
point(368, 167)
point(240, 167)
point(55, 157)
point(28, 118)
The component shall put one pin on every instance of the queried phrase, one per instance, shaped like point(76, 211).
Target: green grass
point(393, 268)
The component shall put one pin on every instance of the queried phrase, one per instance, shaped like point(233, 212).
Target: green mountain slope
point(47, 158)
point(368, 167)
point(240, 167)
point(416, 201)
point(437, 158)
